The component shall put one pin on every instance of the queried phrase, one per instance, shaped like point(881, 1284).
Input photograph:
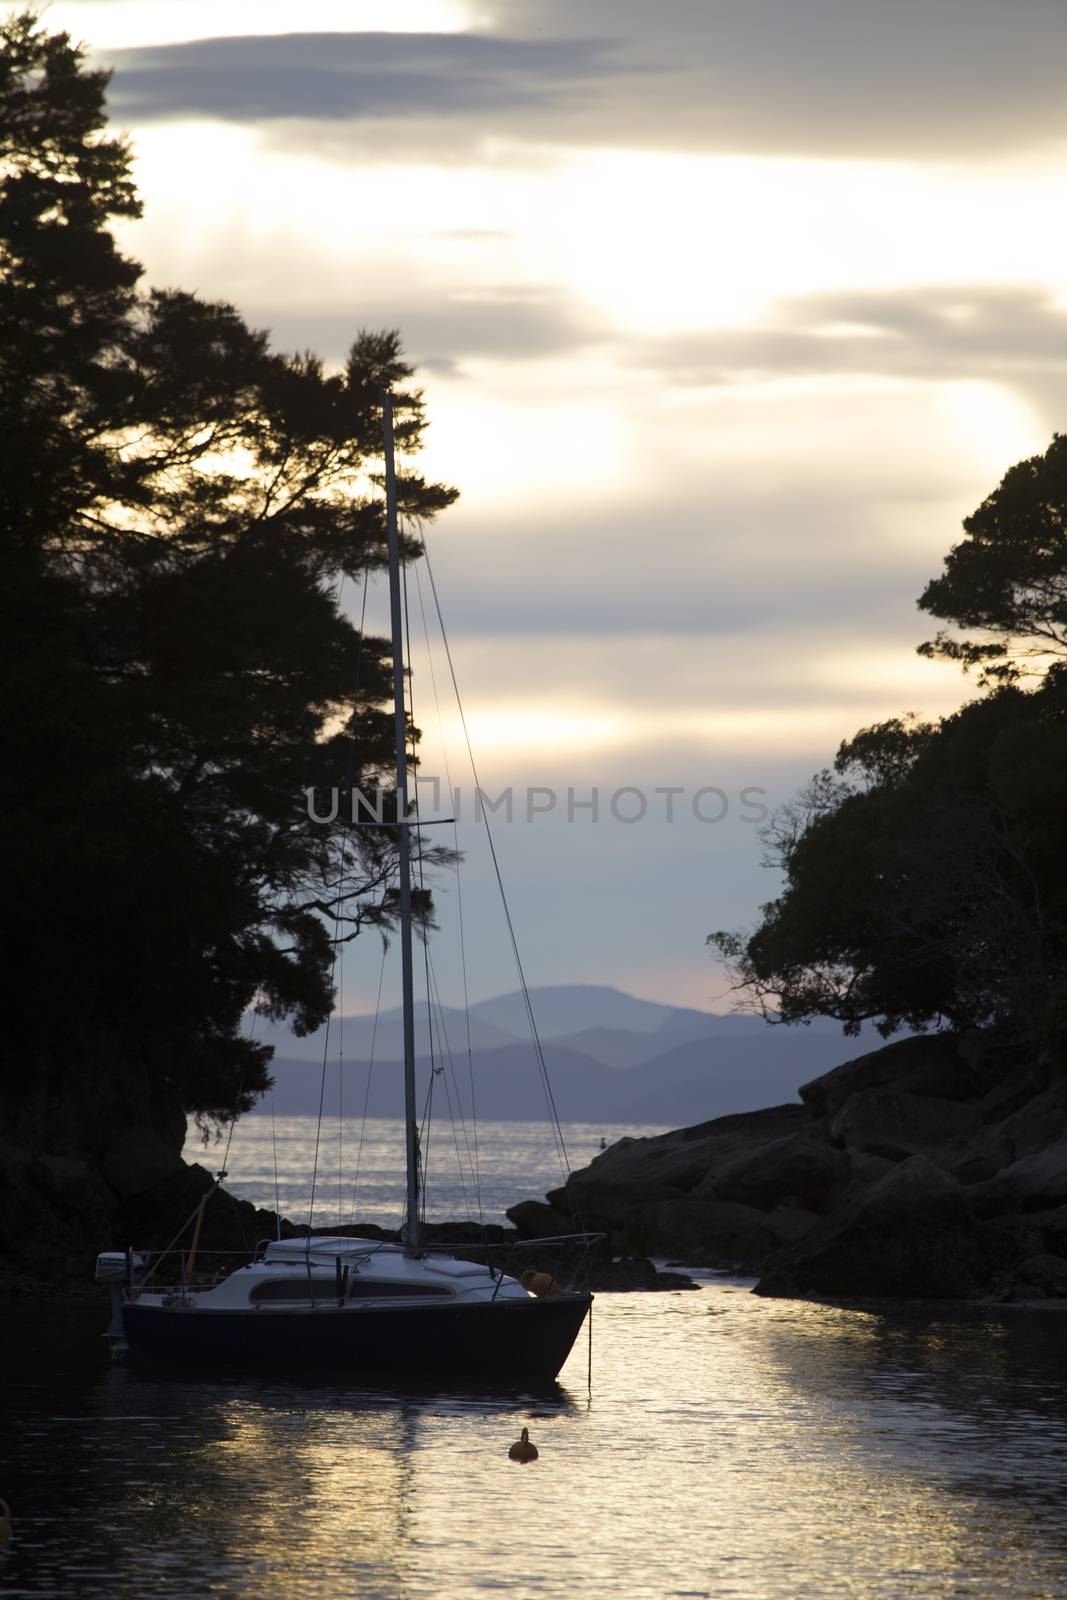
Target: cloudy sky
point(727, 312)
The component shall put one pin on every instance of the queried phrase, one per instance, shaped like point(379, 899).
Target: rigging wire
point(339, 907)
point(450, 1068)
point(253, 1015)
point(436, 1031)
point(340, 1089)
point(370, 1075)
point(437, 1021)
point(349, 774)
point(476, 1162)
point(337, 959)
point(424, 1143)
point(413, 808)
point(443, 1074)
point(224, 1169)
point(201, 1205)
point(277, 1189)
point(434, 1007)
point(557, 1131)
point(326, 1040)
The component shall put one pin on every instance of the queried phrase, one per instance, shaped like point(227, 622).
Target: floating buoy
point(5, 1515)
point(522, 1450)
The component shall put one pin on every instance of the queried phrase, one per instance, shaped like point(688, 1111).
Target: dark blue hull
point(500, 1339)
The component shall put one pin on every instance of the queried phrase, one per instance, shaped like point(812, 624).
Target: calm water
point(362, 1179)
point(729, 1446)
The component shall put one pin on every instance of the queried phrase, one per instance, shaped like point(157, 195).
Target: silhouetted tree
point(180, 508)
point(925, 878)
point(1008, 578)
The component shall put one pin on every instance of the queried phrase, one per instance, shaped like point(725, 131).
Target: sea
point(345, 1170)
point(701, 1443)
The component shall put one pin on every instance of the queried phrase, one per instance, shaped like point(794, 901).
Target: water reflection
point(130, 1482)
point(942, 1432)
point(274, 1486)
point(361, 1168)
point(732, 1447)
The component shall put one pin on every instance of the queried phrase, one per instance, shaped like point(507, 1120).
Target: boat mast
point(411, 1240)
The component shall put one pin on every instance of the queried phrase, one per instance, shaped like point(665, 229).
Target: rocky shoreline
point(933, 1168)
point(58, 1208)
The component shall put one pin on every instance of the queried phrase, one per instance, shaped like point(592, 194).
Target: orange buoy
point(540, 1284)
point(5, 1516)
point(522, 1450)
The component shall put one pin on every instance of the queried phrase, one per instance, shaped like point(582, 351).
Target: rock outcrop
point(99, 1167)
point(95, 1163)
point(931, 1168)
point(911, 1233)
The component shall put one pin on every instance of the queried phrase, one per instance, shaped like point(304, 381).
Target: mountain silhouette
point(611, 1057)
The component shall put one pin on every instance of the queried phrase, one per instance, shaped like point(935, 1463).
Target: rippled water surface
point(728, 1446)
point(359, 1166)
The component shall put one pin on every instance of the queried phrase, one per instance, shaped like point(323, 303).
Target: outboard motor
point(116, 1268)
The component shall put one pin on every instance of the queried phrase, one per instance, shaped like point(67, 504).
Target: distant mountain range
point(610, 1058)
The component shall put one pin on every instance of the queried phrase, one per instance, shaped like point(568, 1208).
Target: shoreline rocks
point(933, 1168)
point(49, 1238)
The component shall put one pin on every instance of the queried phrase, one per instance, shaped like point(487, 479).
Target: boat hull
point(501, 1339)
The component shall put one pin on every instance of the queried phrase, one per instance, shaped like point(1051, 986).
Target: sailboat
point(353, 1304)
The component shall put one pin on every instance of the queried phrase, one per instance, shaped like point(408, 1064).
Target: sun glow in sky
point(672, 243)
point(719, 358)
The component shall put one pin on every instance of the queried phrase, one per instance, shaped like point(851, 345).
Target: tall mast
point(404, 830)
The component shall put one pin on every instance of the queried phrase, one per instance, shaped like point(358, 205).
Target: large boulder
point(911, 1235)
point(533, 1219)
point(1043, 1276)
point(642, 1192)
point(944, 1065)
point(83, 1143)
point(1032, 1126)
point(1015, 1090)
point(1011, 1129)
point(895, 1124)
point(1037, 1182)
point(680, 1159)
point(801, 1169)
point(934, 1166)
point(151, 1218)
point(1015, 1238)
point(715, 1233)
point(865, 1169)
point(1054, 1231)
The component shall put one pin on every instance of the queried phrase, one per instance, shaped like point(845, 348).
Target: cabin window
point(295, 1289)
point(326, 1289)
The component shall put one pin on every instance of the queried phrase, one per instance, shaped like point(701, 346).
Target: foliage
point(1009, 577)
point(926, 880)
point(180, 509)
